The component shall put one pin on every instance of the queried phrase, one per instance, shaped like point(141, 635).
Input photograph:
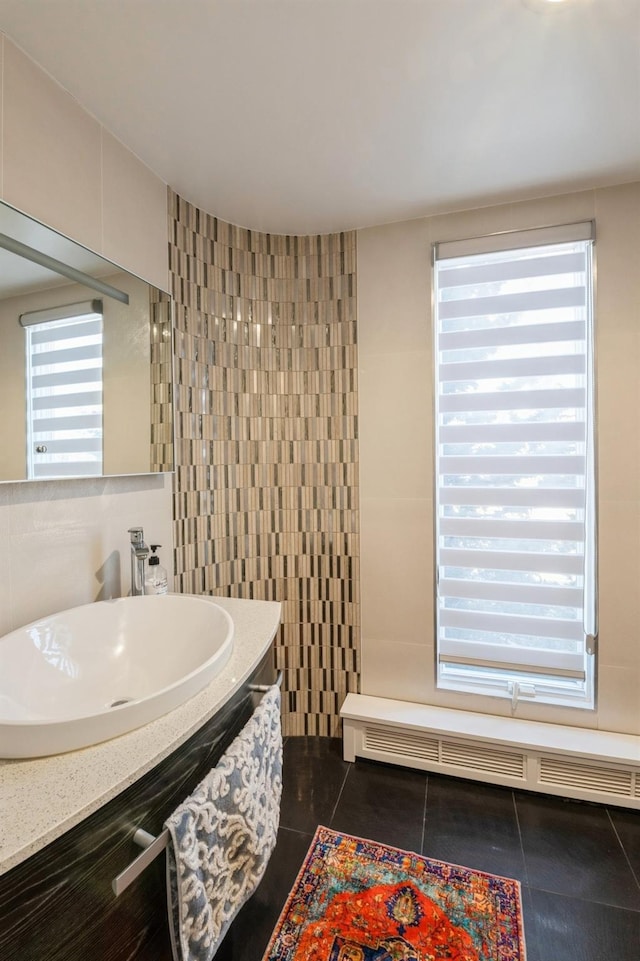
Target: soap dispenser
point(156, 580)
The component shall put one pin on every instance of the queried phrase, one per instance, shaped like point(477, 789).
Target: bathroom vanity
point(68, 821)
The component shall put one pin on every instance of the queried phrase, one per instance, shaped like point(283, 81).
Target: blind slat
point(569, 497)
point(60, 335)
point(514, 367)
point(527, 529)
point(526, 660)
point(88, 398)
point(510, 335)
point(513, 400)
point(499, 271)
point(510, 592)
point(512, 624)
point(87, 375)
point(45, 425)
point(71, 445)
point(508, 433)
point(68, 469)
point(71, 355)
point(495, 464)
point(512, 561)
point(513, 303)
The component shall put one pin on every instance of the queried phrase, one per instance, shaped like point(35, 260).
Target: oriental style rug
point(357, 900)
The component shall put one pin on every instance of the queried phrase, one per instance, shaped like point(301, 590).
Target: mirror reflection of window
point(64, 351)
point(41, 270)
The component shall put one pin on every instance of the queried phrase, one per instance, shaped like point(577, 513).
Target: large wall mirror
point(85, 361)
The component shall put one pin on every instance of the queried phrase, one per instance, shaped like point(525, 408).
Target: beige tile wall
point(266, 497)
point(134, 213)
point(46, 127)
point(59, 165)
point(396, 450)
point(66, 543)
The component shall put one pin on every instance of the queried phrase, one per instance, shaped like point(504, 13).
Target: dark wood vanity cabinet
point(59, 905)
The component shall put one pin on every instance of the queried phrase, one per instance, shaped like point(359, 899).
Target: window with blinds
point(64, 391)
point(515, 497)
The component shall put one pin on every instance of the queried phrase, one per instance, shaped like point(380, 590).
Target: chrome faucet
point(139, 554)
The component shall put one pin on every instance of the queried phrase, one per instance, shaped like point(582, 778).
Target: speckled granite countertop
point(41, 799)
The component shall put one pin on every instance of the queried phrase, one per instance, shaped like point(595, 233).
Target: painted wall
point(66, 543)
point(396, 444)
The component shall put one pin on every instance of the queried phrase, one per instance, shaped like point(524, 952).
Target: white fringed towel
point(222, 836)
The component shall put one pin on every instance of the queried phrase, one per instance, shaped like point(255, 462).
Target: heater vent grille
point(468, 756)
point(393, 741)
point(472, 757)
point(600, 780)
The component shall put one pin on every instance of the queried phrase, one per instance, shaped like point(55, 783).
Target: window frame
point(63, 460)
point(507, 682)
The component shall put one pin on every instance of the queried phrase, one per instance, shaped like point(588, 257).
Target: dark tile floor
point(579, 864)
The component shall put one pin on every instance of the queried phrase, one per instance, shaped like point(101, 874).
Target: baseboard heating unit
point(550, 758)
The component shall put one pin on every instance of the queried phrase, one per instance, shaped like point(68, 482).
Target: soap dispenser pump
point(156, 580)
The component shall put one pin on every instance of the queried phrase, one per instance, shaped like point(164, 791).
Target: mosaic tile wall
point(161, 382)
point(266, 483)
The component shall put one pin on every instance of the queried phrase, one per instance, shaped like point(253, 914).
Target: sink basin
point(93, 672)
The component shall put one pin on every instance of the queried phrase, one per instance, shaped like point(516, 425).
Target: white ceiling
point(306, 116)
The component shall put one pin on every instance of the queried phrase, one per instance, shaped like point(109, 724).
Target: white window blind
point(64, 391)
point(515, 497)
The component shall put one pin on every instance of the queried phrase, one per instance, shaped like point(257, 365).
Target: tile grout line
point(524, 859)
point(573, 897)
point(304, 834)
point(626, 856)
point(424, 816)
point(344, 781)
point(525, 886)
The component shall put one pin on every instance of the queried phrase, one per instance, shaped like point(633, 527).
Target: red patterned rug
point(357, 900)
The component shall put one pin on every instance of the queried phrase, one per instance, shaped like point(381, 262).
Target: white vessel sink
point(91, 673)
